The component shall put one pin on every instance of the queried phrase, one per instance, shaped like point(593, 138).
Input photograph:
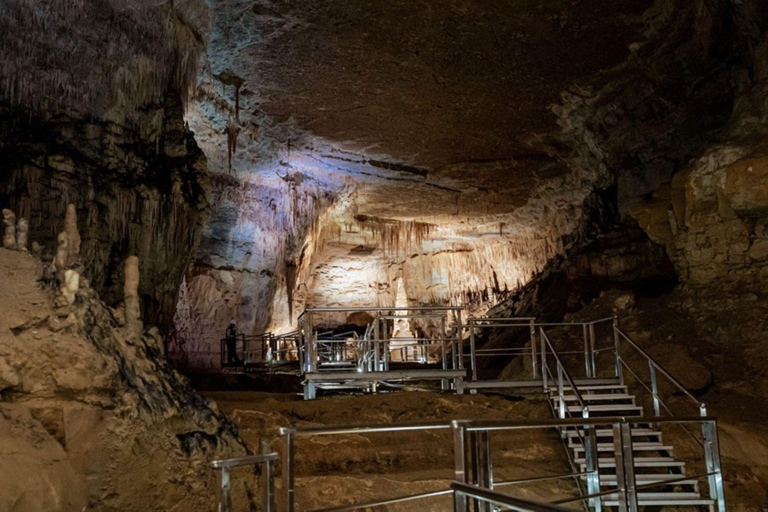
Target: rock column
point(22, 234)
point(131, 289)
point(70, 227)
point(9, 234)
point(62, 255)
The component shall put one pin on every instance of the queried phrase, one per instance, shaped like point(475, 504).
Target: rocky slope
point(92, 418)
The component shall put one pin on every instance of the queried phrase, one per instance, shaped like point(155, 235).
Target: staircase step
point(640, 462)
point(661, 500)
point(606, 407)
point(597, 387)
point(606, 432)
point(610, 480)
point(596, 398)
point(637, 447)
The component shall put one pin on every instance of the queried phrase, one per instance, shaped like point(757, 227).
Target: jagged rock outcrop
point(120, 429)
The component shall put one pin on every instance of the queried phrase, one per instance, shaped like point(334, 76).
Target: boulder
point(746, 186)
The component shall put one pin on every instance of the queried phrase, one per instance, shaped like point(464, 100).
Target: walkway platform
point(364, 379)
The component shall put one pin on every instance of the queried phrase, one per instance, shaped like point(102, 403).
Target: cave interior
point(212, 210)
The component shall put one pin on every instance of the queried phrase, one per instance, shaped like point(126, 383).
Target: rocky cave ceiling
point(379, 140)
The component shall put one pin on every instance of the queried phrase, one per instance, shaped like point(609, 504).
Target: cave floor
point(336, 470)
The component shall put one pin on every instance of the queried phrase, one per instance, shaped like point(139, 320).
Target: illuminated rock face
point(460, 212)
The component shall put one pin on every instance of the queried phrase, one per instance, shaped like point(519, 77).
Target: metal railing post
point(621, 482)
point(289, 481)
point(459, 329)
point(460, 463)
point(655, 390)
point(311, 347)
point(587, 366)
point(534, 363)
point(269, 487)
point(712, 456)
point(472, 362)
point(616, 342)
point(377, 337)
point(444, 383)
point(225, 502)
point(482, 466)
point(592, 349)
point(591, 459)
point(560, 391)
point(628, 460)
point(544, 366)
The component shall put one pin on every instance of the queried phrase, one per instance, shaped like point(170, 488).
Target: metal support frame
point(712, 456)
point(265, 460)
point(287, 467)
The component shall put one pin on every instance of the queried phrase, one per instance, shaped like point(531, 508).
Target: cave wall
point(133, 197)
point(676, 126)
point(94, 117)
point(92, 100)
point(712, 215)
point(253, 258)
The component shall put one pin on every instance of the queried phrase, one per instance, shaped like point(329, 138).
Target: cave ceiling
point(453, 95)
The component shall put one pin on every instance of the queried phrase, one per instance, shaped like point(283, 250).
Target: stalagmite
point(22, 234)
point(9, 236)
point(70, 226)
point(131, 290)
point(70, 285)
point(62, 255)
point(36, 249)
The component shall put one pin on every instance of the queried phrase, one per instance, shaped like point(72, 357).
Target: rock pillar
point(131, 289)
point(9, 234)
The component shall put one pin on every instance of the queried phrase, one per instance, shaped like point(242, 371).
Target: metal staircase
point(653, 460)
point(628, 466)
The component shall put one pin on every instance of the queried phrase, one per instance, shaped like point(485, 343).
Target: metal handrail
point(380, 309)
point(627, 492)
point(657, 366)
point(499, 425)
point(562, 371)
point(225, 465)
point(391, 501)
point(461, 489)
point(248, 460)
point(479, 427)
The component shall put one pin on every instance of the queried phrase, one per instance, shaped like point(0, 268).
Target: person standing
point(231, 337)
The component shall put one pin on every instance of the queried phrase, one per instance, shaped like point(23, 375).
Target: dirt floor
point(342, 469)
point(336, 470)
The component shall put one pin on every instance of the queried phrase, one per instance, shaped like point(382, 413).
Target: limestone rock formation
point(73, 235)
point(22, 235)
point(9, 229)
point(93, 409)
point(132, 306)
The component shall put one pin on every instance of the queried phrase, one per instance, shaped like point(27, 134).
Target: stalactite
point(140, 54)
point(232, 131)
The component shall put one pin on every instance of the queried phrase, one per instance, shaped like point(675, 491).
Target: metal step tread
point(636, 446)
point(606, 407)
point(594, 387)
point(595, 398)
point(645, 479)
point(611, 463)
point(611, 500)
point(605, 432)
